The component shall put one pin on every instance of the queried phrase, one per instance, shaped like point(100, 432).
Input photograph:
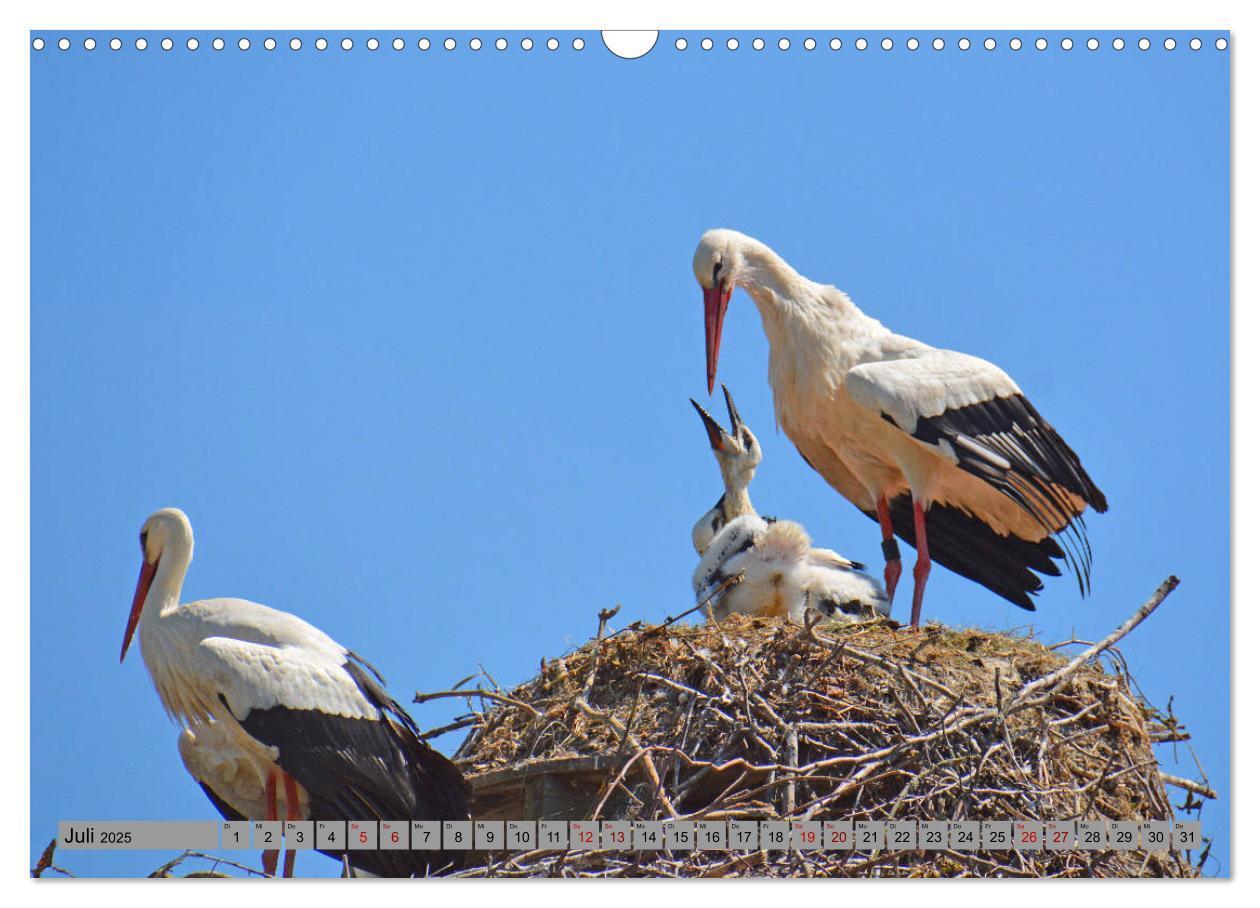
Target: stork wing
point(339, 734)
point(978, 417)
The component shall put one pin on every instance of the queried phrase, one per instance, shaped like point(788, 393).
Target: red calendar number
point(586, 837)
point(839, 836)
point(1028, 836)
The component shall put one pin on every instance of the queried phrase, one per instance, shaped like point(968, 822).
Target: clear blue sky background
point(410, 337)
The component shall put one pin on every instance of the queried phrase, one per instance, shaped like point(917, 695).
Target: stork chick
point(754, 565)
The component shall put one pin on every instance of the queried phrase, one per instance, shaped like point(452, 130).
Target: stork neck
point(790, 303)
point(736, 502)
point(167, 584)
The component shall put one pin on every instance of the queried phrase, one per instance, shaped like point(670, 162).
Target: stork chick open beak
point(716, 299)
point(737, 422)
point(147, 572)
point(719, 438)
point(717, 435)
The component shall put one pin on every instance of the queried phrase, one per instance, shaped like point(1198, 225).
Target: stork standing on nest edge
point(939, 447)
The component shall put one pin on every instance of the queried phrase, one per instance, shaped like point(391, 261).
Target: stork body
point(754, 565)
point(934, 444)
point(267, 699)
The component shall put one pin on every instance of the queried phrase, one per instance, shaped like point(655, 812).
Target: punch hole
point(784, 44)
point(142, 43)
point(631, 45)
point(243, 44)
point(1170, 44)
point(167, 44)
point(425, 43)
point(578, 44)
point(192, 44)
point(269, 44)
point(500, 44)
point(1195, 44)
point(1221, 44)
point(218, 44)
point(938, 44)
point(1066, 44)
point(990, 44)
point(115, 44)
point(64, 44)
point(1042, 44)
point(1016, 44)
point(836, 44)
point(732, 44)
point(527, 44)
point(553, 44)
point(1118, 44)
point(295, 44)
point(860, 44)
point(886, 44)
point(706, 44)
point(964, 43)
point(680, 44)
point(399, 44)
point(1144, 44)
point(810, 44)
point(1092, 44)
point(89, 44)
point(346, 44)
point(475, 43)
point(759, 43)
point(321, 44)
point(373, 44)
point(912, 43)
point(38, 44)
point(449, 44)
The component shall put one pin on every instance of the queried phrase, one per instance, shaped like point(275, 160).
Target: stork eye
point(144, 540)
point(717, 269)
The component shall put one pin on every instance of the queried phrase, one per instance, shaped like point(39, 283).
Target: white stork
point(935, 445)
point(754, 565)
point(262, 692)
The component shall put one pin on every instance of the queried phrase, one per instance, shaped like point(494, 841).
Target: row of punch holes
point(552, 44)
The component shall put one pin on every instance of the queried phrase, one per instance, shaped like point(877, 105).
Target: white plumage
point(931, 443)
point(266, 699)
point(757, 566)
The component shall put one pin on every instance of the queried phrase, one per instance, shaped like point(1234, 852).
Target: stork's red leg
point(922, 566)
point(892, 555)
point(271, 856)
point(292, 811)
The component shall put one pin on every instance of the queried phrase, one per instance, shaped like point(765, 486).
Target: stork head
point(738, 452)
point(716, 264)
point(167, 533)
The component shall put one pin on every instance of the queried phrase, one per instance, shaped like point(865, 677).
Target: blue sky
point(410, 337)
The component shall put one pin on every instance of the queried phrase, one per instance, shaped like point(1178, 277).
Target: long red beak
point(137, 604)
point(716, 300)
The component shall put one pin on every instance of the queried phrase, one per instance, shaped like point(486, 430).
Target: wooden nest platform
point(760, 719)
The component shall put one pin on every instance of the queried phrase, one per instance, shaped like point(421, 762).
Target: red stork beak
point(716, 299)
point(147, 571)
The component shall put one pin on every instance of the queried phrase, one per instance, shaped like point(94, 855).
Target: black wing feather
point(367, 769)
point(968, 546)
point(1009, 445)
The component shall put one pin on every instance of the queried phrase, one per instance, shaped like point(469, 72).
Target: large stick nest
point(759, 719)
